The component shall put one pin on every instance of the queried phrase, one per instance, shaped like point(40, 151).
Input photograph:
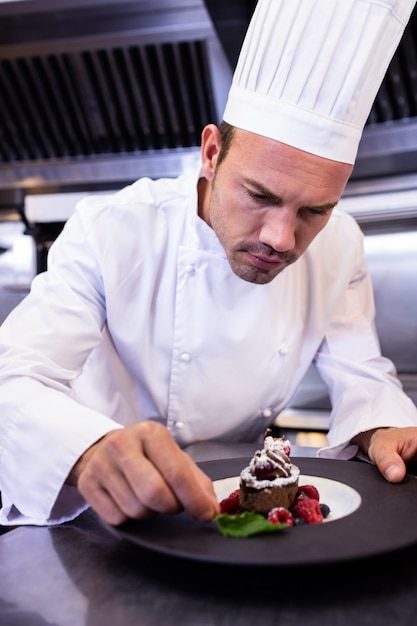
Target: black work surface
point(82, 573)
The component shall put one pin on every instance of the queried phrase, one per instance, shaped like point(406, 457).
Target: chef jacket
point(140, 317)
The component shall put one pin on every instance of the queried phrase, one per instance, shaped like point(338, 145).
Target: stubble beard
point(252, 274)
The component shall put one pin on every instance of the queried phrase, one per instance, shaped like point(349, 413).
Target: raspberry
point(310, 491)
point(278, 442)
point(308, 509)
point(286, 445)
point(230, 505)
point(280, 515)
point(265, 470)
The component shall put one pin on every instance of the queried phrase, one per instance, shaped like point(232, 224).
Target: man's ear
point(210, 148)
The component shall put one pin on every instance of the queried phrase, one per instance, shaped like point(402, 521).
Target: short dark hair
point(226, 135)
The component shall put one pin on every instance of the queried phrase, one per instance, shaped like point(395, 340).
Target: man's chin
point(256, 276)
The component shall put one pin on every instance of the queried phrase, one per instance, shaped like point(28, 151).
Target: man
point(190, 309)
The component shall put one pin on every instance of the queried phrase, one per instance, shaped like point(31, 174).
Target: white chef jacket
point(140, 316)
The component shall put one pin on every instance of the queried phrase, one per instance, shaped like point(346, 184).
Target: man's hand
point(139, 470)
point(391, 449)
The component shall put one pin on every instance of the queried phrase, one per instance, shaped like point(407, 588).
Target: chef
point(188, 310)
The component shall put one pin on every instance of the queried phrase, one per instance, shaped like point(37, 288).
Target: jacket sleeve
point(43, 430)
point(364, 389)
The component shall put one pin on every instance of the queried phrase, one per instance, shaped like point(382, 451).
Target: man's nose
point(278, 232)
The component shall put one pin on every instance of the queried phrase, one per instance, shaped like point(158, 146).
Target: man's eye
point(255, 195)
point(322, 212)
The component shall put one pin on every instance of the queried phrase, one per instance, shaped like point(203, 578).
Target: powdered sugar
point(271, 466)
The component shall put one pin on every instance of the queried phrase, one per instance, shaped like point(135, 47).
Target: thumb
point(391, 465)
point(382, 451)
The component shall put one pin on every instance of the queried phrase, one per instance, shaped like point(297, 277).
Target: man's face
point(266, 201)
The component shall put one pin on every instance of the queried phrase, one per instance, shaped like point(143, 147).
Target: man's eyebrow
point(267, 193)
point(263, 190)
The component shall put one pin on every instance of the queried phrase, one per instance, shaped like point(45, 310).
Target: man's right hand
point(137, 471)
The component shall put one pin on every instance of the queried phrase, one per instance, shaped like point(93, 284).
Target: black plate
point(384, 522)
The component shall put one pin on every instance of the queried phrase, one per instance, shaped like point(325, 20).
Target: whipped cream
point(270, 466)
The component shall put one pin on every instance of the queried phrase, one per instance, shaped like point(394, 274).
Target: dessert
point(269, 496)
point(270, 480)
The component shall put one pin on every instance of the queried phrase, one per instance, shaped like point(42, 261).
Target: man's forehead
point(251, 145)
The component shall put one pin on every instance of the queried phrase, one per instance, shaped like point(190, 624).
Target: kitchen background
point(96, 93)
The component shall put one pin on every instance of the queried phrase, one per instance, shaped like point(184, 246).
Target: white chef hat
point(309, 71)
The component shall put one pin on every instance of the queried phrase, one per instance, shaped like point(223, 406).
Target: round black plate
point(384, 522)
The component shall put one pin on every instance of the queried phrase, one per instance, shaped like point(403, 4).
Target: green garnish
point(245, 524)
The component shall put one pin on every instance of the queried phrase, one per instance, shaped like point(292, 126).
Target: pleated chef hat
point(309, 71)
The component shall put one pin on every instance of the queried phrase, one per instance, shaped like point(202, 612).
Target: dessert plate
point(369, 517)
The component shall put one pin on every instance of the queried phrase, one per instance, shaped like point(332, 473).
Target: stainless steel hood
point(96, 93)
point(389, 142)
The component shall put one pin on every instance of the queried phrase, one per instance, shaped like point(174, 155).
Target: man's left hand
point(393, 450)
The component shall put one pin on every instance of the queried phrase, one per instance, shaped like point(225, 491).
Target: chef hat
point(309, 71)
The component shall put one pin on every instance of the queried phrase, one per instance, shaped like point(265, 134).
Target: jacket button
point(190, 269)
point(267, 412)
point(186, 357)
point(283, 350)
point(179, 425)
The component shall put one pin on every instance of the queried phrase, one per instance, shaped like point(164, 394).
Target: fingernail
point(393, 473)
point(206, 517)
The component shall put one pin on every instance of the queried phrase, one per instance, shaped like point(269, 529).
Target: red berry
point(278, 442)
point(286, 447)
point(310, 491)
point(280, 515)
point(230, 505)
point(307, 509)
point(264, 469)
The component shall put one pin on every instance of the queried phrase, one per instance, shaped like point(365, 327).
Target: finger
point(191, 486)
point(392, 468)
point(170, 488)
point(383, 452)
point(100, 499)
point(150, 488)
point(202, 485)
point(105, 506)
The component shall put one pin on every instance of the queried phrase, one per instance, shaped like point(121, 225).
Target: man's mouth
point(264, 263)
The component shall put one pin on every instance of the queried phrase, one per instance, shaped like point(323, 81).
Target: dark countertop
point(82, 573)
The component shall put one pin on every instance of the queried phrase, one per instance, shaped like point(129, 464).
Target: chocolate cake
point(270, 480)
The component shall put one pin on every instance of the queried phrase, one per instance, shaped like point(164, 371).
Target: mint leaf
point(245, 524)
